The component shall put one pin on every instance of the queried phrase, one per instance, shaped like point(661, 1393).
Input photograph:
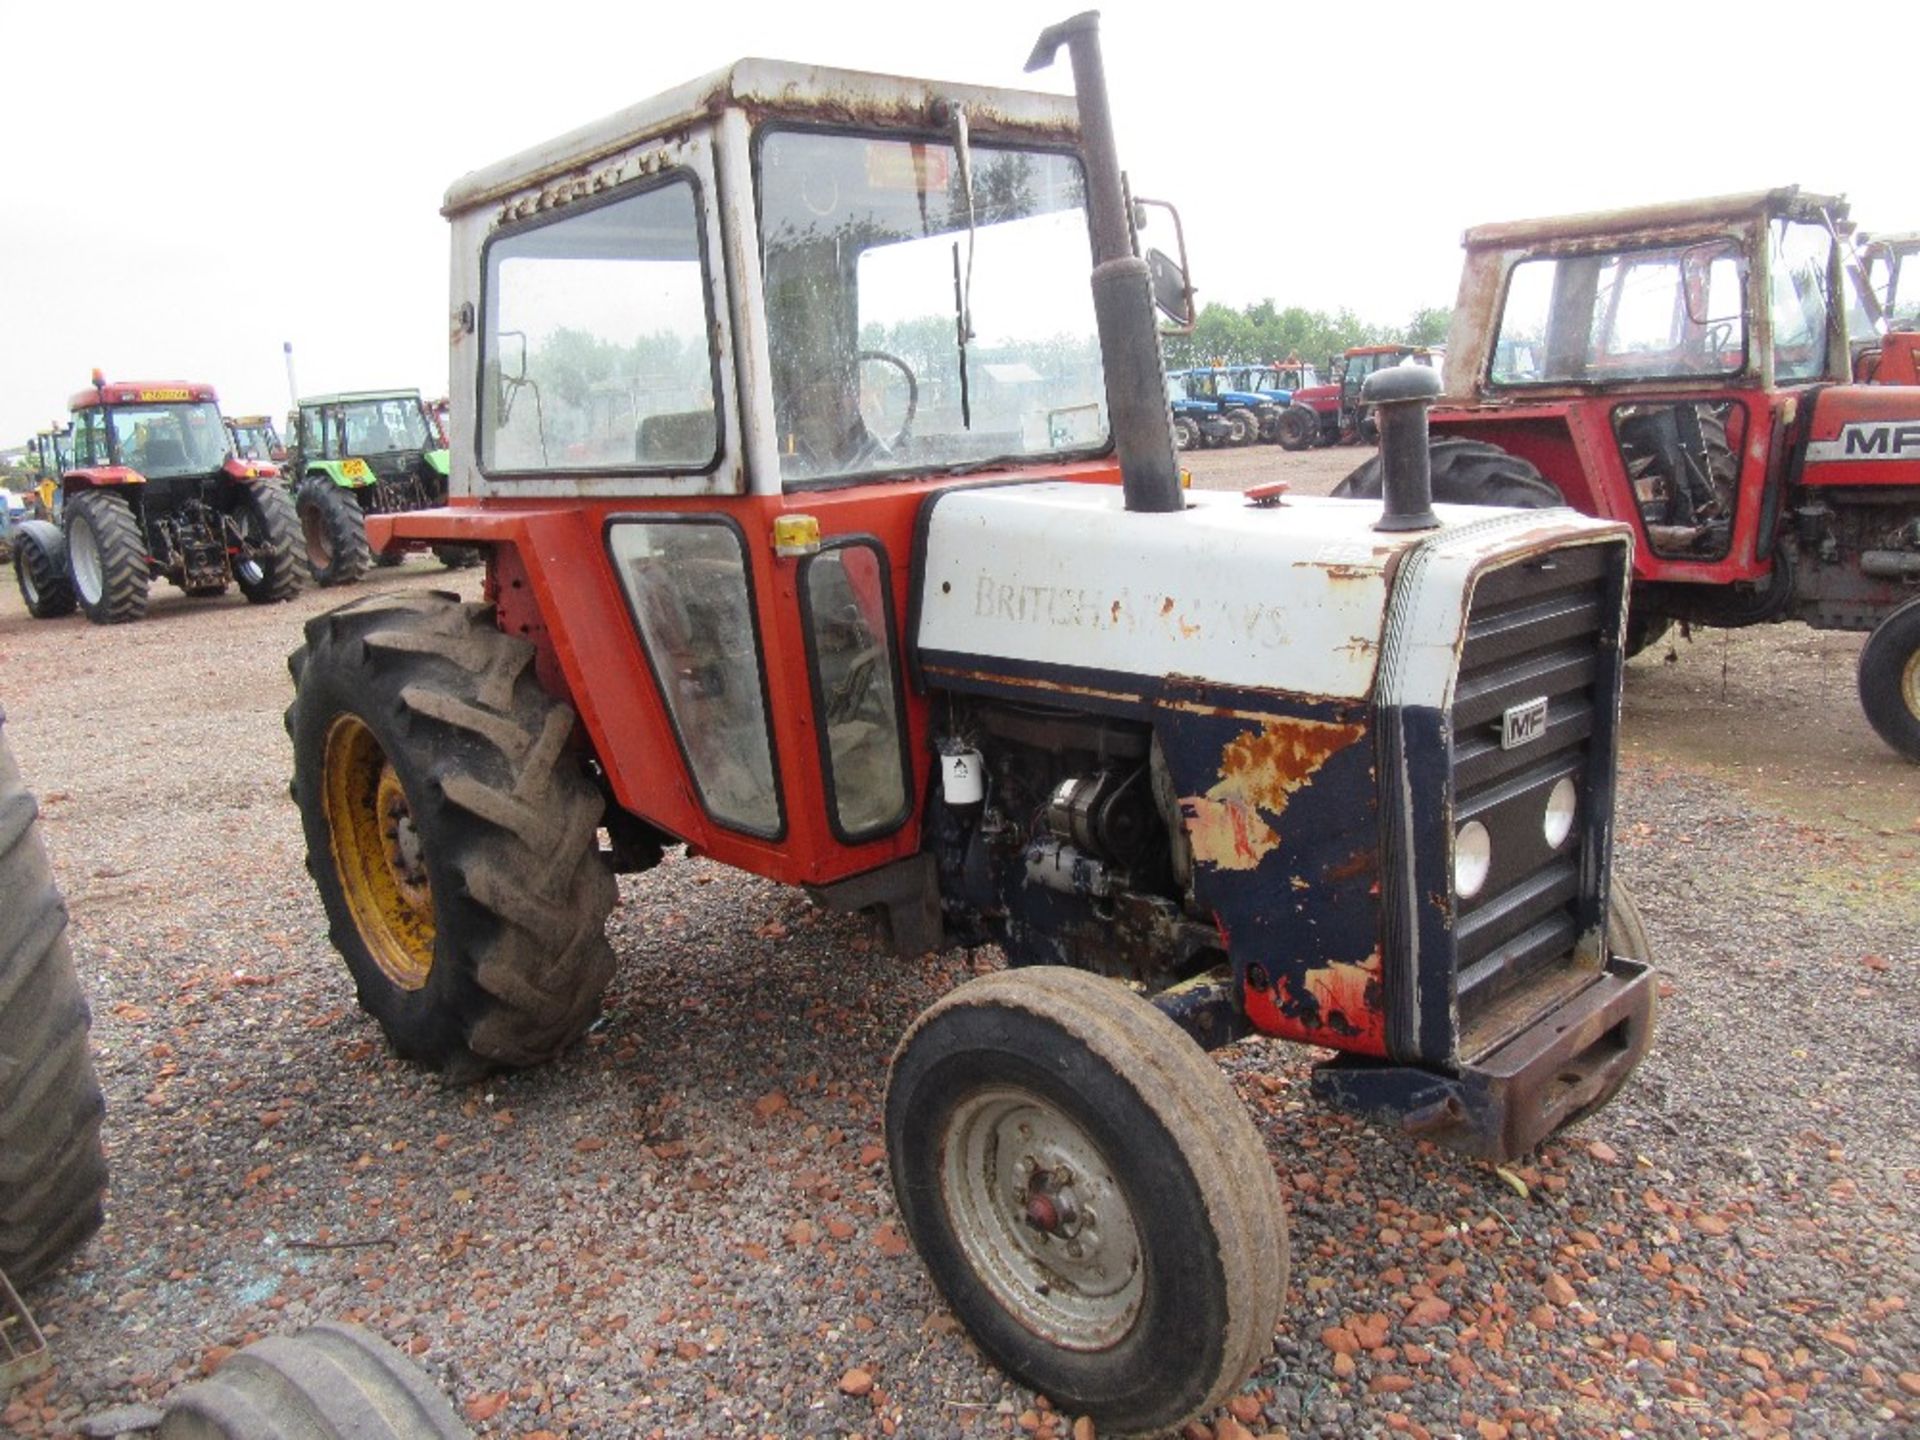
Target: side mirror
point(1172, 284)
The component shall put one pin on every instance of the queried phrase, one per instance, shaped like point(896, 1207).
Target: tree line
point(1265, 332)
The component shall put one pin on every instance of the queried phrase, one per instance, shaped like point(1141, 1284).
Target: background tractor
point(256, 437)
point(1335, 413)
point(1889, 278)
point(153, 488)
point(1687, 369)
point(361, 453)
point(956, 650)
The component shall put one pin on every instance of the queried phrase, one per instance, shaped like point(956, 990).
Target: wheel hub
point(378, 856)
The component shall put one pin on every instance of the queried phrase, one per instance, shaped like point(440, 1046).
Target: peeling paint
point(1229, 826)
point(1345, 994)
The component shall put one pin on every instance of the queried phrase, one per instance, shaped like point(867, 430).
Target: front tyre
point(268, 532)
point(1297, 427)
point(458, 557)
point(1890, 679)
point(333, 531)
point(451, 831)
point(40, 570)
point(1089, 1196)
point(106, 557)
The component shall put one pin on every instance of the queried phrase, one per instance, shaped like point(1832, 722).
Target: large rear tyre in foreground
point(40, 570)
point(333, 531)
point(52, 1172)
point(269, 540)
point(1890, 679)
point(1089, 1195)
point(1468, 472)
point(106, 557)
point(451, 830)
point(333, 1382)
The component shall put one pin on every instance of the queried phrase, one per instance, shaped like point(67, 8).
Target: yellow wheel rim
point(1910, 684)
point(377, 853)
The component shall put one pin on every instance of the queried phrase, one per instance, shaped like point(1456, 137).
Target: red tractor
point(1889, 278)
point(883, 584)
point(156, 490)
point(1334, 413)
point(1686, 368)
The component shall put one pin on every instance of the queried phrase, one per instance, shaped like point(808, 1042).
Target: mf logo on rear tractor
point(1870, 440)
point(1523, 723)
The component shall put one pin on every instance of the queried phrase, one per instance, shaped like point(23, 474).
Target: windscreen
point(164, 440)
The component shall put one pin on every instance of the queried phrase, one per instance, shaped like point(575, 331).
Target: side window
point(686, 582)
point(90, 439)
point(844, 603)
point(597, 352)
point(1799, 302)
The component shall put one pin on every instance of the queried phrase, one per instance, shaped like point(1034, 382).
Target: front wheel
point(458, 557)
point(40, 570)
point(333, 528)
point(451, 830)
point(1890, 680)
point(1249, 424)
point(264, 564)
point(106, 557)
point(1186, 434)
point(1089, 1196)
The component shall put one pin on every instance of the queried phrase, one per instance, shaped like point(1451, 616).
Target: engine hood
point(1060, 578)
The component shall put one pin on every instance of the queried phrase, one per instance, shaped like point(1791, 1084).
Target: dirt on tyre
point(53, 1176)
point(332, 1382)
point(40, 570)
point(333, 532)
point(106, 557)
point(1468, 472)
point(1089, 1195)
point(1889, 679)
point(451, 830)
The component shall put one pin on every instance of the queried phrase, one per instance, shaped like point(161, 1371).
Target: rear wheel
point(458, 557)
point(40, 570)
point(265, 566)
point(333, 530)
point(1089, 1195)
point(1468, 472)
point(52, 1172)
point(106, 557)
point(1297, 427)
point(1890, 679)
point(333, 1382)
point(451, 831)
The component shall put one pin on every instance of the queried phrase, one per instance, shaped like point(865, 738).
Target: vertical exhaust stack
point(1122, 285)
point(1400, 396)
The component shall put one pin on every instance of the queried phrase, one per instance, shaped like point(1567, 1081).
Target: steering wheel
point(873, 444)
point(1719, 337)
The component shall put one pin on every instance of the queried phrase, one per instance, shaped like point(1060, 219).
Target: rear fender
point(249, 472)
point(347, 474)
point(102, 477)
point(437, 462)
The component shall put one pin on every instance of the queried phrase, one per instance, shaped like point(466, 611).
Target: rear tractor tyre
point(1089, 1196)
point(52, 1172)
point(1297, 427)
point(106, 557)
point(40, 570)
point(333, 532)
point(451, 830)
point(458, 557)
point(1468, 472)
point(1890, 680)
point(333, 1382)
point(270, 533)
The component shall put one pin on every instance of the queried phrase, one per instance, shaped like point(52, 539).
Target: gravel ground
point(684, 1227)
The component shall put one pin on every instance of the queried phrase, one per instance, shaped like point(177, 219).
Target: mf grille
point(1534, 705)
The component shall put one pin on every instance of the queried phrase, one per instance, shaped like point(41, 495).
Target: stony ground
point(685, 1227)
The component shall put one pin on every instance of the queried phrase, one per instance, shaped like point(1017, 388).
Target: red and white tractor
point(833, 530)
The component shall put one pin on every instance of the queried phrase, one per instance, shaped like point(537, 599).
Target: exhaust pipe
point(1400, 395)
point(1122, 285)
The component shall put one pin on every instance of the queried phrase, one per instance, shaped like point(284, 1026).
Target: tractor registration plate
point(355, 470)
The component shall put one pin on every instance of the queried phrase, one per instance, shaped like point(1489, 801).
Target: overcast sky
point(184, 188)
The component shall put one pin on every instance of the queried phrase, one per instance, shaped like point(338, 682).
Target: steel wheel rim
point(253, 534)
point(83, 559)
point(28, 589)
point(1910, 684)
point(1044, 1224)
point(377, 856)
point(313, 526)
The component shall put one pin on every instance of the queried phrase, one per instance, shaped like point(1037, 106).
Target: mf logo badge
point(1523, 722)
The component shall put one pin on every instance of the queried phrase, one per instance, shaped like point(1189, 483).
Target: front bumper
point(1566, 1064)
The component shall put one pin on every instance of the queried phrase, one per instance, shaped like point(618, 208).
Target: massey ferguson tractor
point(1889, 278)
point(369, 452)
point(943, 640)
point(154, 489)
point(1686, 369)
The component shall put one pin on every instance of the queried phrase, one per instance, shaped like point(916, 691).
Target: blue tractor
point(1207, 391)
point(1197, 417)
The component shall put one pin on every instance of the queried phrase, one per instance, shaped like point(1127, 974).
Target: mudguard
point(347, 474)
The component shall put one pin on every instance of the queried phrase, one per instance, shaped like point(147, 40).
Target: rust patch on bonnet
point(1231, 826)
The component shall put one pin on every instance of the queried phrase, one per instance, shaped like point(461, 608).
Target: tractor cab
point(1886, 270)
point(255, 437)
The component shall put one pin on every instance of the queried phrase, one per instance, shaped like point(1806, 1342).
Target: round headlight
point(1562, 801)
point(1472, 859)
